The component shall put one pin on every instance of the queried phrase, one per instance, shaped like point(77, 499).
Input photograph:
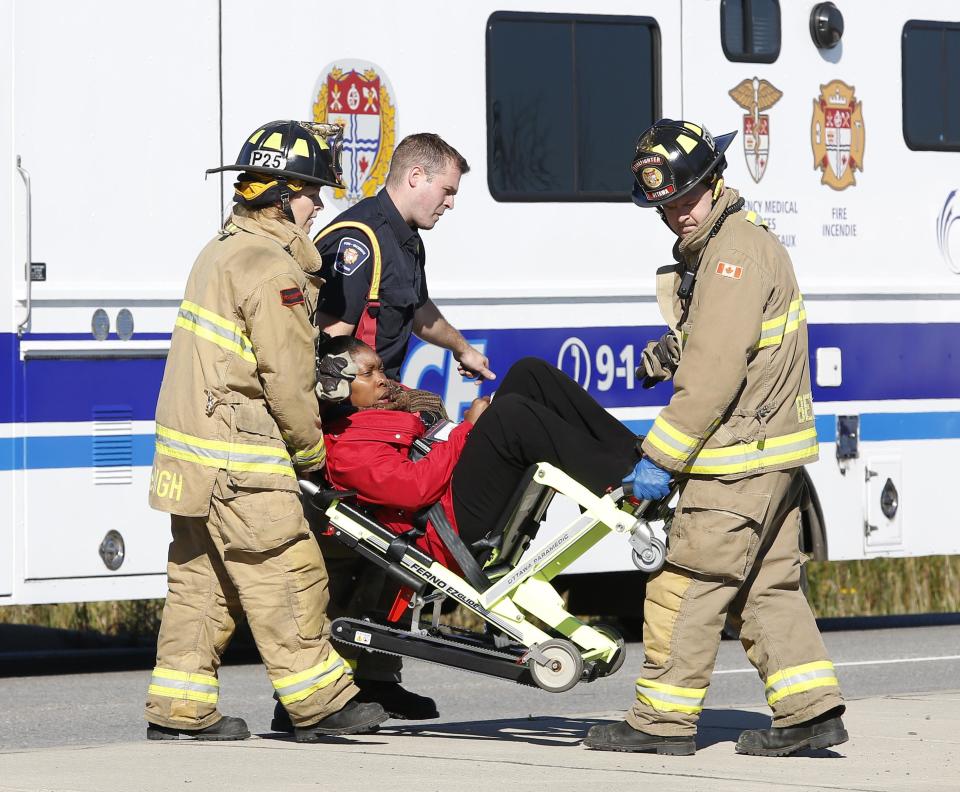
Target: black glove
point(334, 375)
point(659, 360)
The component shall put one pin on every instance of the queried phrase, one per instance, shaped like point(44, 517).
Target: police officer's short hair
point(429, 151)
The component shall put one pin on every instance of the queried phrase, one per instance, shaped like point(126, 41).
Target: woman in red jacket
point(539, 415)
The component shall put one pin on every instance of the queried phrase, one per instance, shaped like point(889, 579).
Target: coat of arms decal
point(837, 135)
point(358, 96)
point(755, 96)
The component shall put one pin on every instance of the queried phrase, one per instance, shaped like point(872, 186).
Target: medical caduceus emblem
point(837, 134)
point(357, 96)
point(754, 96)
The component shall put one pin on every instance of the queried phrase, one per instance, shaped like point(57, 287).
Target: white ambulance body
point(115, 109)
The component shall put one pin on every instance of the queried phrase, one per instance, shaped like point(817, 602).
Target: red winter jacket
point(369, 451)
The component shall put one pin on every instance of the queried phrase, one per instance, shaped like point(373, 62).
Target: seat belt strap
point(460, 552)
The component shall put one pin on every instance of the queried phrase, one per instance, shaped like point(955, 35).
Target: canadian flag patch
point(729, 270)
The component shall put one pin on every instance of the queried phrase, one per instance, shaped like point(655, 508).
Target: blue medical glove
point(650, 481)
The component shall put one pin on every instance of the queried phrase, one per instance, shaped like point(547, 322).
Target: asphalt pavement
point(78, 732)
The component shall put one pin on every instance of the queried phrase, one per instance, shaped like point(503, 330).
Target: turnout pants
point(733, 552)
point(253, 555)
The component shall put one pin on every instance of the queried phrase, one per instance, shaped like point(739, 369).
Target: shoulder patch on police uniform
point(351, 254)
point(734, 271)
point(291, 297)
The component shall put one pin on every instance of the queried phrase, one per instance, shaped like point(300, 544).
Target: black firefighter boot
point(819, 732)
point(227, 728)
point(623, 737)
point(353, 718)
point(399, 703)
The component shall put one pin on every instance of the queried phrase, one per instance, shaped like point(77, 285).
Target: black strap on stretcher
point(460, 552)
point(438, 519)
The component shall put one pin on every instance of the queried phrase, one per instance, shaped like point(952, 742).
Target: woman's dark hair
point(336, 345)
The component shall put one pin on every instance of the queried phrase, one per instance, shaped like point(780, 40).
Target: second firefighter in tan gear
point(237, 422)
point(735, 433)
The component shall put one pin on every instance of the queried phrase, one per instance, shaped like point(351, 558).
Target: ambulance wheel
point(614, 635)
point(651, 559)
point(563, 669)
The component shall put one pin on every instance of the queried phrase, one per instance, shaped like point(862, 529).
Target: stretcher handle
point(324, 497)
point(627, 492)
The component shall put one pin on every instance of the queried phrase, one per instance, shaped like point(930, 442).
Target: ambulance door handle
point(22, 327)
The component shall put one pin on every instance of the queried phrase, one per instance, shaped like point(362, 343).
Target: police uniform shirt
point(348, 257)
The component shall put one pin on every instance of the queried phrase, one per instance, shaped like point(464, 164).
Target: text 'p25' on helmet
point(293, 150)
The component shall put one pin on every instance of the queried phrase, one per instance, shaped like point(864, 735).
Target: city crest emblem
point(837, 135)
point(357, 96)
point(754, 96)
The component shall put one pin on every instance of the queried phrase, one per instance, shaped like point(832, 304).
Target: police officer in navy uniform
point(376, 289)
point(373, 259)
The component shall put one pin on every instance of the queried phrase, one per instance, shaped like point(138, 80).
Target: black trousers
point(538, 414)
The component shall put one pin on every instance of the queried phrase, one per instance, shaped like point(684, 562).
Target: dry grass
point(885, 586)
point(131, 618)
point(878, 587)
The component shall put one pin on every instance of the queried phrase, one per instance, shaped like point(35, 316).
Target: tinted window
point(931, 81)
point(567, 96)
point(750, 30)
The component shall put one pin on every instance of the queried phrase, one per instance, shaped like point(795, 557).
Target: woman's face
point(370, 388)
point(305, 205)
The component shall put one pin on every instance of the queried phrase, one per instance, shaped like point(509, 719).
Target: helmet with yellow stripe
point(673, 157)
point(293, 150)
point(283, 157)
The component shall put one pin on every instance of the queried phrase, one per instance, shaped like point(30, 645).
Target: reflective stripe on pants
point(670, 698)
point(799, 679)
point(297, 687)
point(181, 685)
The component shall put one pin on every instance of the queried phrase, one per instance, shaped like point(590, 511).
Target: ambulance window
point(931, 85)
point(750, 30)
point(567, 95)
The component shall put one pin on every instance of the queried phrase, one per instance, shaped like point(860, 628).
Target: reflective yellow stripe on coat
point(670, 698)
point(180, 685)
point(773, 330)
point(214, 328)
point(799, 679)
point(223, 455)
point(312, 456)
point(670, 440)
point(297, 687)
point(757, 456)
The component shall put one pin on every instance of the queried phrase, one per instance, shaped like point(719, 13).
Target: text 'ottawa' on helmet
point(293, 151)
point(673, 157)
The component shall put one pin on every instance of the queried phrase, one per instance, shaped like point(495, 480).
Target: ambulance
point(848, 122)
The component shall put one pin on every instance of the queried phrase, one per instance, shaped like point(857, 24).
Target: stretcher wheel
point(651, 559)
point(614, 635)
point(563, 669)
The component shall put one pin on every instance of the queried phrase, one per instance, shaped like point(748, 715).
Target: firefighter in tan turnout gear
point(237, 422)
point(735, 435)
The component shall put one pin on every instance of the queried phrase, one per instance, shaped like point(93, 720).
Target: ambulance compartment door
point(115, 113)
point(883, 510)
point(11, 229)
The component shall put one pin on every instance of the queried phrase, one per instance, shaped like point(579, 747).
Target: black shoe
point(623, 737)
point(398, 702)
point(820, 732)
point(354, 718)
point(281, 719)
point(226, 728)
